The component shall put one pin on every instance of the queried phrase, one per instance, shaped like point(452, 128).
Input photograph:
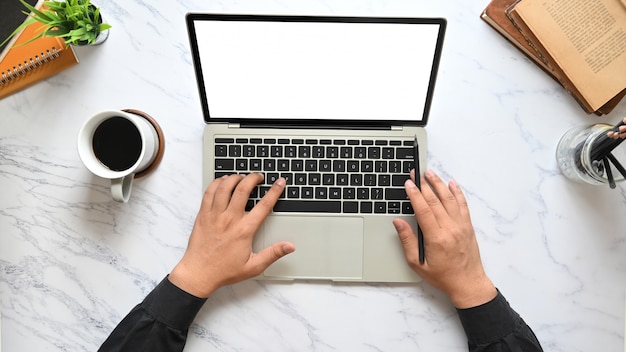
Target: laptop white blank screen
point(316, 70)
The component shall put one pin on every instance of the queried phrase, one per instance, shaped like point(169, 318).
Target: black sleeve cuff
point(489, 322)
point(172, 306)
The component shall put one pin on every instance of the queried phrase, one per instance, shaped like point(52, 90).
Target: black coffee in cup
point(117, 143)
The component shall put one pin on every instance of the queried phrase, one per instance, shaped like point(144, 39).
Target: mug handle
point(121, 187)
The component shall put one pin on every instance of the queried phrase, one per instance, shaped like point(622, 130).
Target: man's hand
point(452, 262)
point(219, 252)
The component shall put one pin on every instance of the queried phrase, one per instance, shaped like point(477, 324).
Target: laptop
point(334, 105)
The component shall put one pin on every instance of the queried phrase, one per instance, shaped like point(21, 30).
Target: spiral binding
point(28, 65)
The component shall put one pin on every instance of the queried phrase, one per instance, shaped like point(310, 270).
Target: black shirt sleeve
point(160, 323)
point(495, 326)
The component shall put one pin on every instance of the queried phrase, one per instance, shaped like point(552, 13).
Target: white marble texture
point(73, 262)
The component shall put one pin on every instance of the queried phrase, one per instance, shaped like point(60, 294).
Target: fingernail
point(280, 181)
point(288, 249)
point(409, 184)
point(429, 173)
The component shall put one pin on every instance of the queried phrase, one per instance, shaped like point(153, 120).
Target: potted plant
point(78, 22)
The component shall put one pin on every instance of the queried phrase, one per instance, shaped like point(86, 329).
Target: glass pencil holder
point(574, 156)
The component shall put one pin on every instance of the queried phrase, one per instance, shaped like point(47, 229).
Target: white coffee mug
point(116, 145)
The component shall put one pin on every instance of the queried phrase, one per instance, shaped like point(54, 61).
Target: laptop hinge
point(304, 126)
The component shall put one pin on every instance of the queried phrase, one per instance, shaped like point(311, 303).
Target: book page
point(586, 38)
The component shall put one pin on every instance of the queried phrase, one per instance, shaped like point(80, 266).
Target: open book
point(583, 42)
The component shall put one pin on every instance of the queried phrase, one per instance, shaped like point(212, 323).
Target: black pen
point(416, 161)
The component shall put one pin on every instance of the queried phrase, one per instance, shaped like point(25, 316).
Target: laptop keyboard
point(324, 175)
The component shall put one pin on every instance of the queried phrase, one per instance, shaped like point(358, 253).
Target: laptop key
point(224, 164)
point(310, 165)
point(271, 178)
point(263, 151)
point(308, 206)
point(356, 180)
point(293, 192)
point(325, 165)
point(317, 152)
point(307, 192)
point(276, 151)
point(288, 176)
point(300, 179)
point(407, 166)
point(321, 192)
point(342, 179)
point(248, 151)
point(393, 208)
point(407, 208)
point(282, 165)
point(234, 151)
point(395, 194)
point(297, 165)
point(304, 152)
point(360, 152)
point(373, 152)
point(377, 193)
point(269, 165)
point(395, 167)
point(350, 207)
point(332, 152)
point(339, 165)
point(221, 150)
point(398, 180)
point(404, 153)
point(241, 164)
point(255, 165)
point(384, 180)
point(290, 151)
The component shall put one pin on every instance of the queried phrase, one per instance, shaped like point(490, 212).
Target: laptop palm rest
point(326, 247)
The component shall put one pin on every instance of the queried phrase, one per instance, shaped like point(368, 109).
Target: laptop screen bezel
point(191, 18)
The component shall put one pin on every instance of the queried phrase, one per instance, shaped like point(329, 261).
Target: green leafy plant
point(78, 22)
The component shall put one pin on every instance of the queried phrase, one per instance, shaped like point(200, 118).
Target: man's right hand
point(452, 259)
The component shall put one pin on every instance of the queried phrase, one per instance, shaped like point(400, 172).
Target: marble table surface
point(73, 262)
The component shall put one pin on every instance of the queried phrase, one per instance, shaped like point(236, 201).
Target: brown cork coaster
point(159, 131)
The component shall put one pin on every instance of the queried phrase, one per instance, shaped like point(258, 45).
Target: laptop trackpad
point(326, 247)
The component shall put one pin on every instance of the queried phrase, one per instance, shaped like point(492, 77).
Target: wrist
point(473, 294)
point(187, 281)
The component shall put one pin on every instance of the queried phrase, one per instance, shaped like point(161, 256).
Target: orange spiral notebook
point(25, 65)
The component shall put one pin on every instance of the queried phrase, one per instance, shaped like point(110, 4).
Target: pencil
point(617, 165)
point(605, 144)
point(420, 235)
point(609, 173)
